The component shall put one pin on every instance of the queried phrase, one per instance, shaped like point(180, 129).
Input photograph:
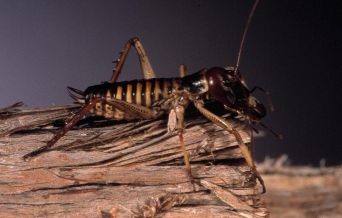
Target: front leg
point(229, 127)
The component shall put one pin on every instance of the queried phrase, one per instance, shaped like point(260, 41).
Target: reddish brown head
point(229, 89)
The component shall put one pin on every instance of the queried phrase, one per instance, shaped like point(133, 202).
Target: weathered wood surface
point(302, 191)
point(130, 169)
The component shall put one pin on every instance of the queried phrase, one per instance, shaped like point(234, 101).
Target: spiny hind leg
point(229, 127)
point(69, 123)
point(145, 65)
point(134, 110)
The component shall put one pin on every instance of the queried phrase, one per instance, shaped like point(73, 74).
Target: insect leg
point(120, 61)
point(180, 121)
point(176, 121)
point(138, 111)
point(69, 123)
point(145, 65)
point(227, 126)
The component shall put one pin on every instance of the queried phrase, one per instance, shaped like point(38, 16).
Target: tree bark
point(129, 169)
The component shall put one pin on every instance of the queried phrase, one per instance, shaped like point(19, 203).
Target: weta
point(152, 97)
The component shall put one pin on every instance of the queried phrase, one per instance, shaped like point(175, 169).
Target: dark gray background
point(292, 49)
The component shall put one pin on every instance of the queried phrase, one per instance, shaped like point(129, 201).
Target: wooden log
point(130, 169)
point(302, 191)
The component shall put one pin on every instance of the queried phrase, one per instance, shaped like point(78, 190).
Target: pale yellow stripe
point(108, 94)
point(156, 90)
point(108, 108)
point(129, 93)
point(138, 94)
point(148, 93)
point(119, 93)
point(98, 107)
point(109, 111)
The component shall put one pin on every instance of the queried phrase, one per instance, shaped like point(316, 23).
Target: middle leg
point(176, 122)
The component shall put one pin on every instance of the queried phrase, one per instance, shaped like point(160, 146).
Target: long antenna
point(244, 35)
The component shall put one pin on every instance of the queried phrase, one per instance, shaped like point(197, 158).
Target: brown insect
point(152, 97)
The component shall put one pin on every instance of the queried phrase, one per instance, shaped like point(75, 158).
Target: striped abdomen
point(141, 92)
